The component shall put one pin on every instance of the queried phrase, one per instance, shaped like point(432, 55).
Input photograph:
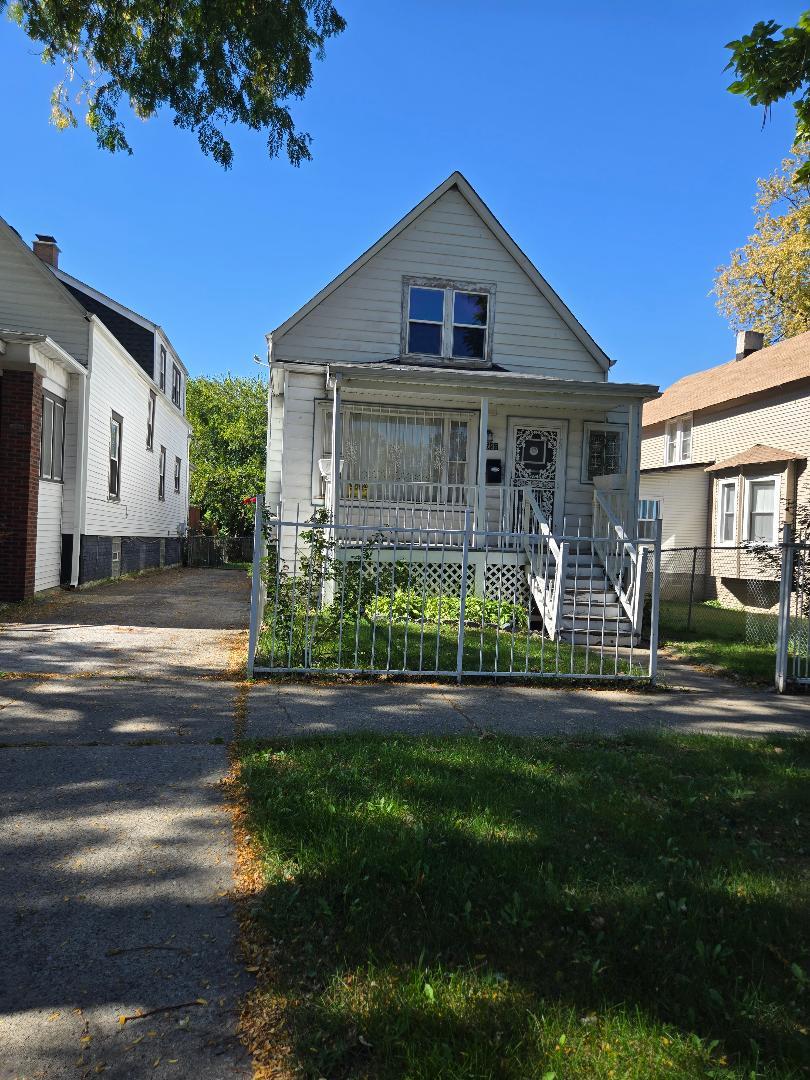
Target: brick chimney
point(46, 248)
point(748, 341)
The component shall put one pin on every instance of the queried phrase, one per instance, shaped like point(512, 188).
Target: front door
point(537, 462)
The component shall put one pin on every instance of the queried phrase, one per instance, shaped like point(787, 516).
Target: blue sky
point(600, 134)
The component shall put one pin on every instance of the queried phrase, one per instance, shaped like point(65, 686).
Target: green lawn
point(727, 639)
point(367, 646)
point(450, 909)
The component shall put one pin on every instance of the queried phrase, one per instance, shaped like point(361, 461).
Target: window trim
point(731, 482)
point(115, 496)
point(178, 474)
point(56, 403)
point(676, 425)
point(776, 480)
point(162, 382)
point(162, 475)
point(598, 425)
point(449, 286)
point(150, 421)
point(659, 516)
point(177, 379)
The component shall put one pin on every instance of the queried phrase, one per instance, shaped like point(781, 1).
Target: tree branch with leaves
point(212, 63)
point(766, 285)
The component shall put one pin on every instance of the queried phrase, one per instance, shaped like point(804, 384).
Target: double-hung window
point(762, 510)
point(604, 450)
point(649, 511)
point(177, 470)
point(163, 368)
point(52, 438)
point(678, 441)
point(150, 421)
point(727, 512)
point(116, 434)
point(447, 320)
point(162, 474)
point(177, 386)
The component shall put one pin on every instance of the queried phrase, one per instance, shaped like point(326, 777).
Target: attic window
point(451, 320)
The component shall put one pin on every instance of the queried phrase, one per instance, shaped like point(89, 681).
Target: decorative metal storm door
point(535, 460)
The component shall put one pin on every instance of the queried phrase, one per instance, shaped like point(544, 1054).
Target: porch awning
point(491, 382)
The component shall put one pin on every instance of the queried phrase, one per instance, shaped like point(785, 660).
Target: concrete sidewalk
point(687, 702)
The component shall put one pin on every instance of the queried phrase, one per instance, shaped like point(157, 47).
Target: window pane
point(425, 338)
point(762, 497)
point(468, 342)
point(58, 440)
point(46, 461)
point(470, 308)
point(426, 304)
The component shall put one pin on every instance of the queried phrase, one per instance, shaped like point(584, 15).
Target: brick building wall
point(20, 429)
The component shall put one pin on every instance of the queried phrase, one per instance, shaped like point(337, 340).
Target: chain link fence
point(719, 593)
point(218, 552)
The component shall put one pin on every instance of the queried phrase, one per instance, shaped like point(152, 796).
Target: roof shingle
point(767, 369)
point(758, 454)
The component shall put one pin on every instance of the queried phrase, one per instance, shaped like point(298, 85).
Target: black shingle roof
point(136, 339)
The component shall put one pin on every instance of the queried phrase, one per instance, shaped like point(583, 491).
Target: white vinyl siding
point(362, 319)
point(118, 384)
point(31, 302)
point(684, 495)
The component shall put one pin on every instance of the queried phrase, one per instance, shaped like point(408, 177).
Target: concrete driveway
point(115, 845)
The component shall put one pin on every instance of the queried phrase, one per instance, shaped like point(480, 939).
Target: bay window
point(451, 320)
point(678, 441)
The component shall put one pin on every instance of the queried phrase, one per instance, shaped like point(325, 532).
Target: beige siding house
point(724, 456)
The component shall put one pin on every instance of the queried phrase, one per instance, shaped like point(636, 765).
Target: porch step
point(596, 612)
point(584, 637)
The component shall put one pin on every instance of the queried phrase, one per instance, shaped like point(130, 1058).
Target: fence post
point(691, 589)
point(655, 600)
point(255, 587)
point(462, 607)
point(783, 624)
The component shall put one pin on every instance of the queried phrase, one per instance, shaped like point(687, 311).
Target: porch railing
point(547, 567)
point(624, 560)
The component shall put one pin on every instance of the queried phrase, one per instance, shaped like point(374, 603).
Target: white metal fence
point(400, 599)
point(793, 634)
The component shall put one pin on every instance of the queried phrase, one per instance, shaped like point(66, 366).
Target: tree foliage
point(211, 62)
point(766, 285)
point(229, 420)
point(770, 67)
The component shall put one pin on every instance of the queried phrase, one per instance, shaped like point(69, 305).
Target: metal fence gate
point(450, 602)
point(218, 551)
point(793, 640)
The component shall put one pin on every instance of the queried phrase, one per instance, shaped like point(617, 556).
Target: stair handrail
point(631, 597)
point(551, 608)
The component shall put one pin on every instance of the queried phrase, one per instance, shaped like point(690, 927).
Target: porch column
point(336, 447)
point(633, 461)
point(481, 503)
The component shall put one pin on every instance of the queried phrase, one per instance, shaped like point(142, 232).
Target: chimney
point(748, 341)
point(45, 248)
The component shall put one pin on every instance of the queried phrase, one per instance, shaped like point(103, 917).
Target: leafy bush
point(409, 605)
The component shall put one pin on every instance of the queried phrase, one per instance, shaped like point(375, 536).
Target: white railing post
point(655, 600)
point(481, 501)
point(462, 608)
point(559, 586)
point(783, 624)
point(336, 448)
point(256, 604)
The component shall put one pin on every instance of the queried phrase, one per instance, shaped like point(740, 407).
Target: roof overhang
point(45, 345)
point(756, 455)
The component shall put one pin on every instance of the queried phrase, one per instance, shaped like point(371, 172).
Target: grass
point(719, 637)
point(460, 909)
point(367, 646)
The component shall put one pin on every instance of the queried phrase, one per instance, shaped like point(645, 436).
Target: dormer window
point(450, 320)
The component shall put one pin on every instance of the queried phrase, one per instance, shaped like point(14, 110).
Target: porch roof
point(484, 383)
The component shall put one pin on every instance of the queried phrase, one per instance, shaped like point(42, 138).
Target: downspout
point(269, 418)
point(80, 490)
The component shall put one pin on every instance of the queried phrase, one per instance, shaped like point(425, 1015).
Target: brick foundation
point(20, 429)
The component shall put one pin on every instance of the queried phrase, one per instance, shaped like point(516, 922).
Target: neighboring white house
point(441, 372)
point(93, 434)
point(723, 460)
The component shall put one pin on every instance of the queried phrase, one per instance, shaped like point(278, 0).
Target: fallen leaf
point(54, 1016)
